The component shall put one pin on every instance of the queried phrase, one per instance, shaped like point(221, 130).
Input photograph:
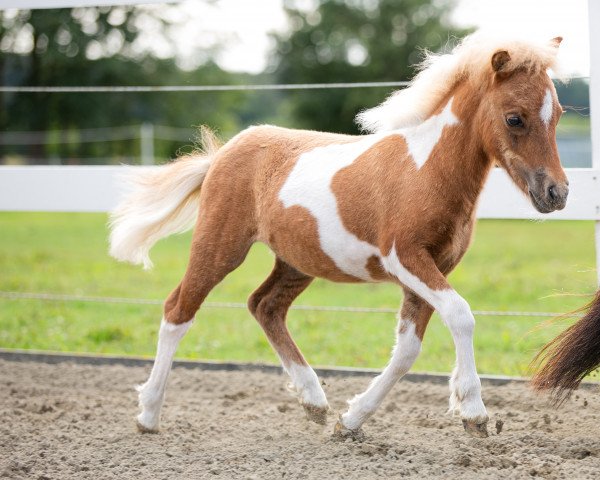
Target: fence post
point(594, 22)
point(147, 143)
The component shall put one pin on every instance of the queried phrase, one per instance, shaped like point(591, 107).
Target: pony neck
point(462, 163)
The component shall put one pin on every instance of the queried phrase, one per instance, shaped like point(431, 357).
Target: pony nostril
point(552, 193)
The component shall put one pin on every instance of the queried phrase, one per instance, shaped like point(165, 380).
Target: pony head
point(518, 118)
point(512, 105)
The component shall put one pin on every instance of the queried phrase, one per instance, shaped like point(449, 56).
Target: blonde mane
point(471, 60)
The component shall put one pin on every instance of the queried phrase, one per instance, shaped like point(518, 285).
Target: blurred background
point(59, 289)
point(239, 43)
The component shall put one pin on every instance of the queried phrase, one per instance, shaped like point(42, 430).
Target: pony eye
point(514, 121)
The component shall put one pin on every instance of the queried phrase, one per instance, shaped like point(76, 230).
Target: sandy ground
point(74, 421)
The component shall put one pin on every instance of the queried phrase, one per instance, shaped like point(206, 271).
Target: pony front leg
point(152, 393)
point(465, 386)
point(418, 272)
point(412, 321)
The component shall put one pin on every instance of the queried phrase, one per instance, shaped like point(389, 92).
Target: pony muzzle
point(548, 195)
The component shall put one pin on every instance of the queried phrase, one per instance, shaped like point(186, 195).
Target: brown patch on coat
point(376, 270)
point(363, 198)
point(224, 231)
point(416, 310)
point(269, 305)
point(292, 232)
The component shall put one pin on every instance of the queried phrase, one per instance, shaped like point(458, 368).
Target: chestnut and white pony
point(397, 205)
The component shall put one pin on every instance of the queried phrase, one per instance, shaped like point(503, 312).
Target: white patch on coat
point(408, 347)
point(309, 185)
point(306, 383)
point(547, 108)
point(422, 138)
point(152, 393)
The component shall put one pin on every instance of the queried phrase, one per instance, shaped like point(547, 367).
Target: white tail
point(164, 201)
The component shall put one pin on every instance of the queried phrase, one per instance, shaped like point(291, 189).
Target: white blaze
point(546, 110)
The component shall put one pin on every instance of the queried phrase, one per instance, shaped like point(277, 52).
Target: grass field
point(512, 265)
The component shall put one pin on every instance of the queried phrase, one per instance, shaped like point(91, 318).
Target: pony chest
point(452, 243)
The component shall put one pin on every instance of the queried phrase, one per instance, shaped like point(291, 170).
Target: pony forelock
point(439, 73)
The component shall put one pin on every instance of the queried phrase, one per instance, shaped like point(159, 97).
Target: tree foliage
point(334, 41)
point(355, 41)
point(99, 46)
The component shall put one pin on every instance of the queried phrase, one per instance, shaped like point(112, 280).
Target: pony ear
point(499, 60)
point(555, 42)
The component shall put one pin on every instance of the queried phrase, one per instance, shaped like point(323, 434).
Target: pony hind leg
point(214, 254)
point(412, 322)
point(269, 305)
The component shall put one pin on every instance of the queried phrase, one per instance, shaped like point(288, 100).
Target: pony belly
point(338, 261)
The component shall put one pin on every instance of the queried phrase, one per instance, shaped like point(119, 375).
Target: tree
point(99, 46)
point(355, 41)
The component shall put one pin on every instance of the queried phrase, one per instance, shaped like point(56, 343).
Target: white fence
point(98, 189)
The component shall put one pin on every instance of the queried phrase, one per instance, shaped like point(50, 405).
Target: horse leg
point(431, 285)
point(216, 251)
point(412, 322)
point(269, 305)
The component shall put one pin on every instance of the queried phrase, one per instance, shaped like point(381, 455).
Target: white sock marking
point(547, 107)
point(456, 315)
point(152, 393)
point(361, 407)
point(307, 385)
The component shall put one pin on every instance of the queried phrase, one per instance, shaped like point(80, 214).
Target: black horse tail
point(571, 356)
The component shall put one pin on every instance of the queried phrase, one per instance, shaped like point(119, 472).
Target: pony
point(396, 204)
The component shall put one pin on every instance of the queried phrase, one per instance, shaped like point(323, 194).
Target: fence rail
point(199, 88)
point(60, 297)
point(99, 188)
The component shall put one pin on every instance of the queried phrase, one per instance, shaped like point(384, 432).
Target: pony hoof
point(143, 428)
point(474, 429)
point(316, 414)
point(342, 433)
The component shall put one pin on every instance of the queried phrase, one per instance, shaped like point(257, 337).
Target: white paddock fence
point(99, 189)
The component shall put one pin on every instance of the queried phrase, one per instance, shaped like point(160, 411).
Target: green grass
point(512, 265)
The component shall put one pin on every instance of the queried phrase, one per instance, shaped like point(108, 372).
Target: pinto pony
point(396, 205)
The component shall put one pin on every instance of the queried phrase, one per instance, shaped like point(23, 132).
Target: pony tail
point(571, 356)
point(163, 201)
